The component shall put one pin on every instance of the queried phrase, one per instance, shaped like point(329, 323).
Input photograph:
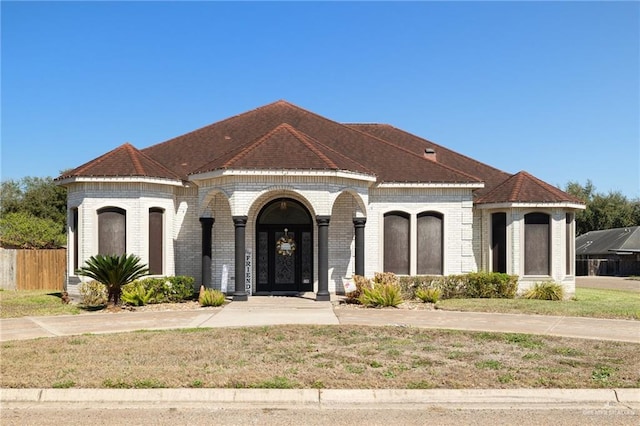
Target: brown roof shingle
point(205, 148)
point(525, 188)
point(489, 175)
point(125, 160)
point(283, 136)
point(273, 150)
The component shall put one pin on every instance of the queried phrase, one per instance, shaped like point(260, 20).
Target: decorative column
point(358, 224)
point(240, 222)
point(207, 225)
point(323, 258)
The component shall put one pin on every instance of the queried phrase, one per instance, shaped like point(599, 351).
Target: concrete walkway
point(262, 311)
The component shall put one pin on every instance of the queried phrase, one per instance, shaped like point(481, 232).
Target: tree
point(22, 230)
point(33, 213)
point(114, 272)
point(39, 197)
point(603, 211)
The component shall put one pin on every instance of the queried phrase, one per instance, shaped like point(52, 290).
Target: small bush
point(386, 278)
point(361, 283)
point(211, 297)
point(476, 284)
point(409, 285)
point(166, 289)
point(429, 295)
point(491, 285)
point(452, 286)
point(381, 295)
point(136, 294)
point(547, 290)
point(93, 294)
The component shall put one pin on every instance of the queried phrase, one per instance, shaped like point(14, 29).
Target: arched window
point(430, 243)
point(537, 234)
point(499, 242)
point(396, 243)
point(112, 231)
point(156, 225)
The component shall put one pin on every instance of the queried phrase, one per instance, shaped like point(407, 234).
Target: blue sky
point(548, 87)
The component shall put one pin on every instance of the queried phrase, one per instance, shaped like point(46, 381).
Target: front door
point(284, 248)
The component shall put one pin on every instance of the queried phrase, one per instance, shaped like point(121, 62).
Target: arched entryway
point(284, 248)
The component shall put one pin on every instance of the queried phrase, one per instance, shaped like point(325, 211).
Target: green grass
point(24, 303)
point(588, 302)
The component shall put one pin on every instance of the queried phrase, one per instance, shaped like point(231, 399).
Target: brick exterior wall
point(516, 241)
point(466, 228)
point(135, 199)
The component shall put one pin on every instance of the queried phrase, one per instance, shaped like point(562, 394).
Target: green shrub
point(381, 295)
point(547, 290)
point(361, 283)
point(386, 278)
point(476, 284)
point(136, 294)
point(491, 285)
point(93, 294)
point(452, 286)
point(211, 297)
point(179, 288)
point(429, 295)
point(409, 284)
point(167, 289)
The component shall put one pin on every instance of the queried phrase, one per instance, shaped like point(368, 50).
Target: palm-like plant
point(114, 272)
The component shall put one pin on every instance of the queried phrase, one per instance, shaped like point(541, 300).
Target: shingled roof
point(322, 144)
point(283, 136)
point(525, 188)
point(607, 241)
point(123, 161)
point(489, 175)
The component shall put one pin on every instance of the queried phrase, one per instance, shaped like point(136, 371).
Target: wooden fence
point(33, 269)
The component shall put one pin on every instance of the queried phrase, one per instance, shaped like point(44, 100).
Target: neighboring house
point(279, 200)
point(609, 252)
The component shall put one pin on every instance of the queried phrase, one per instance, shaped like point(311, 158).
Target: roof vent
point(430, 154)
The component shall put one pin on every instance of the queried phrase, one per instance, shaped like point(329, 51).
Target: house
point(280, 200)
point(609, 252)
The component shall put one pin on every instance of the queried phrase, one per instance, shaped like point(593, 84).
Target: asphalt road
point(166, 415)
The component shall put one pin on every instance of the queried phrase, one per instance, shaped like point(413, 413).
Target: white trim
point(536, 205)
point(430, 185)
point(302, 173)
point(122, 179)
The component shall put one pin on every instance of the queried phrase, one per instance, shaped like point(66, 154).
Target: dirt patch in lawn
point(318, 357)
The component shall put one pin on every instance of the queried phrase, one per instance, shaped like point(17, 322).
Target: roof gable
point(218, 145)
point(124, 160)
point(525, 188)
point(280, 145)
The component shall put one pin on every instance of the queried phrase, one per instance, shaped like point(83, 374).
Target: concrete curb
point(626, 399)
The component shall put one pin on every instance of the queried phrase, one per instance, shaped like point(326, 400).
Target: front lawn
point(329, 356)
point(588, 302)
point(25, 303)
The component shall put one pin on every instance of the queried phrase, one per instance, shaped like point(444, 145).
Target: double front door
point(284, 248)
point(284, 259)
